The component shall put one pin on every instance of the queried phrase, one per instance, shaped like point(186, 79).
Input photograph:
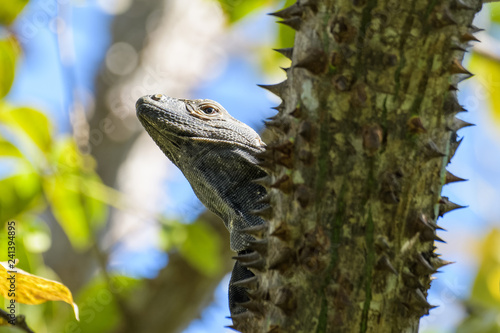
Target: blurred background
point(100, 208)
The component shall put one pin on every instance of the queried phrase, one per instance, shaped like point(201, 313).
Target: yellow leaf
point(26, 288)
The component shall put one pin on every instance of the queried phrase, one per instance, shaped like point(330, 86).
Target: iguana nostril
point(157, 97)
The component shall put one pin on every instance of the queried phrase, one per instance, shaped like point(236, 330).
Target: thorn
point(315, 62)
point(313, 4)
point(457, 46)
point(432, 150)
point(421, 225)
point(284, 184)
point(386, 264)
point(294, 23)
point(257, 231)
point(438, 263)
point(276, 89)
point(411, 280)
point(258, 264)
point(285, 300)
point(247, 257)
point(420, 299)
point(459, 4)
point(435, 226)
point(451, 178)
point(453, 148)
point(259, 246)
point(278, 108)
point(232, 327)
point(265, 199)
point(468, 37)
point(452, 87)
point(382, 244)
point(281, 259)
point(475, 29)
point(251, 305)
point(285, 161)
point(451, 104)
point(282, 125)
point(266, 165)
point(428, 268)
point(264, 181)
point(249, 283)
point(242, 317)
point(307, 131)
point(287, 52)
point(274, 329)
point(457, 68)
point(281, 232)
point(284, 147)
point(444, 18)
point(293, 10)
point(415, 125)
point(303, 195)
point(447, 18)
point(447, 206)
point(458, 124)
point(266, 212)
point(439, 239)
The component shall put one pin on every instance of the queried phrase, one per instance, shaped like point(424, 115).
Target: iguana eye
point(208, 110)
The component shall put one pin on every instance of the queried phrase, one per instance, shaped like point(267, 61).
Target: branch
point(20, 321)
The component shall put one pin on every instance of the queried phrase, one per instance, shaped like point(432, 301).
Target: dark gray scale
point(216, 153)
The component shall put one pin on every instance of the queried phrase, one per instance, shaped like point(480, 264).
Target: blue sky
point(41, 82)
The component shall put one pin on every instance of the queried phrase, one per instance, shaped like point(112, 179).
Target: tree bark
point(362, 138)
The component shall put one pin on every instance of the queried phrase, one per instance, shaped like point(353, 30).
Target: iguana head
point(173, 122)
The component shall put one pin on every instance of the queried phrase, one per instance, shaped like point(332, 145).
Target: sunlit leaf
point(10, 9)
point(26, 288)
point(36, 234)
point(99, 311)
point(19, 191)
point(483, 304)
point(487, 73)
point(8, 149)
point(198, 243)
point(33, 123)
point(68, 208)
point(237, 9)
point(9, 51)
point(494, 9)
point(74, 194)
point(486, 289)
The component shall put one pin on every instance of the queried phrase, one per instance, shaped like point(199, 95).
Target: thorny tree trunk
point(362, 138)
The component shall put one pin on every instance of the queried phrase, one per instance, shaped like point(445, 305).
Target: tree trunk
point(362, 138)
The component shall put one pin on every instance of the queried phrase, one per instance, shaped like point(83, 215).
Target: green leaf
point(73, 194)
point(66, 203)
point(8, 149)
point(19, 192)
point(494, 9)
point(32, 123)
point(198, 243)
point(99, 311)
point(10, 9)
point(486, 289)
point(9, 50)
point(237, 9)
point(487, 72)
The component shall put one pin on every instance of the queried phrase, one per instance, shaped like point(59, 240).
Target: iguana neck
point(215, 152)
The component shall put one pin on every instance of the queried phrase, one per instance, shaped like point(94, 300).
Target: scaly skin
point(217, 154)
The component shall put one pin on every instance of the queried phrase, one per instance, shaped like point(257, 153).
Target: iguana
point(217, 155)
